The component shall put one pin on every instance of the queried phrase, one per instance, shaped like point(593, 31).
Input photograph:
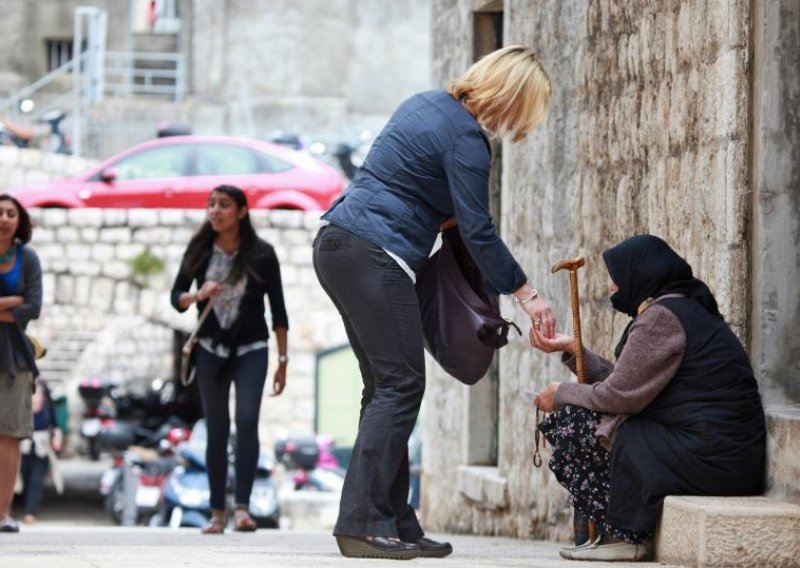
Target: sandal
point(216, 525)
point(243, 522)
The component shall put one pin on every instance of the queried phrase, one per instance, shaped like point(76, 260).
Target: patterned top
point(226, 306)
point(228, 302)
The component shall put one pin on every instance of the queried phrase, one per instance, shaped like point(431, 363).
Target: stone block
point(155, 235)
point(67, 234)
point(102, 293)
point(54, 217)
point(83, 285)
point(85, 217)
point(84, 267)
point(483, 485)
point(15, 177)
point(128, 251)
point(142, 218)
point(783, 453)
point(77, 165)
point(728, 532)
point(30, 159)
point(115, 217)
point(171, 218)
point(296, 237)
point(33, 177)
point(301, 255)
point(48, 288)
point(9, 155)
point(285, 219)
point(116, 235)
point(116, 269)
point(55, 164)
point(42, 235)
point(90, 234)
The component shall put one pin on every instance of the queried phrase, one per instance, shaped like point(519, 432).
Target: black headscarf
point(644, 266)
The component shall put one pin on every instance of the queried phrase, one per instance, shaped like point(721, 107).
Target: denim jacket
point(430, 162)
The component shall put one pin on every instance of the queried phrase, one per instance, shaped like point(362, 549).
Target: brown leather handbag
point(462, 325)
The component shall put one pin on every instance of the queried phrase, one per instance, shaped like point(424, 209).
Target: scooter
point(97, 413)
point(57, 142)
point(312, 464)
point(147, 465)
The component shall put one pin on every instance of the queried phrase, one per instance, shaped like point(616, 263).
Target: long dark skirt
point(581, 465)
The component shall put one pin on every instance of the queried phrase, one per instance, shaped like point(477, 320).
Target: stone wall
point(123, 323)
point(649, 131)
point(26, 166)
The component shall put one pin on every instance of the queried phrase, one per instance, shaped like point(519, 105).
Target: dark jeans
point(33, 470)
point(378, 305)
point(214, 377)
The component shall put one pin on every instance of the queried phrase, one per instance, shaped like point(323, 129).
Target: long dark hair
point(24, 228)
point(198, 252)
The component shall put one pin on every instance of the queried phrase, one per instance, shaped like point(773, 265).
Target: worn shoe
point(243, 522)
point(215, 526)
point(434, 549)
point(607, 550)
point(376, 547)
point(8, 525)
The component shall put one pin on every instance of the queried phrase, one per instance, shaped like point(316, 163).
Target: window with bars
point(58, 52)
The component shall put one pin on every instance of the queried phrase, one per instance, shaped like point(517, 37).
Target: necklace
point(8, 255)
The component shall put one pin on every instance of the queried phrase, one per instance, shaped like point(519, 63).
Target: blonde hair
point(507, 91)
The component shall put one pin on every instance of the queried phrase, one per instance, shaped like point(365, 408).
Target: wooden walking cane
point(573, 266)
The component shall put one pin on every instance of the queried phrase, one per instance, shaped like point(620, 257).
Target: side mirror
point(108, 175)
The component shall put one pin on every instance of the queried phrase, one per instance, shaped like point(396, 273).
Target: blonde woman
point(429, 168)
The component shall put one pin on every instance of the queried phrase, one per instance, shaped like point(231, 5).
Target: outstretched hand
point(559, 342)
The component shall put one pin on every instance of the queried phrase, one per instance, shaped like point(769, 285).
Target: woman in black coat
point(678, 414)
point(235, 269)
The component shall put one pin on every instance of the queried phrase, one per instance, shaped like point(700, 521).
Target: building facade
point(675, 118)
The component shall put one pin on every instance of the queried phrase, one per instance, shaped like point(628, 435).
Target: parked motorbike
point(97, 414)
point(311, 463)
point(57, 141)
point(147, 465)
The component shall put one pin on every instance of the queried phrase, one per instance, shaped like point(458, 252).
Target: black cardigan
point(251, 325)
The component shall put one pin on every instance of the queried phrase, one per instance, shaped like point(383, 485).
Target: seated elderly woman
point(679, 413)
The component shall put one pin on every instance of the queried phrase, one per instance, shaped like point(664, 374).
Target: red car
point(180, 172)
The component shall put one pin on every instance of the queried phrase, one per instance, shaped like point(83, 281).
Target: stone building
point(249, 67)
point(677, 118)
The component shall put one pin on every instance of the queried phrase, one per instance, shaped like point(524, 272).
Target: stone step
point(728, 532)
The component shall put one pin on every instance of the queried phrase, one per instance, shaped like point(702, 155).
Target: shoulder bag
point(187, 361)
point(462, 325)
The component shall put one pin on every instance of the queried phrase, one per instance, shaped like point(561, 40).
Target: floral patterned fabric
point(581, 465)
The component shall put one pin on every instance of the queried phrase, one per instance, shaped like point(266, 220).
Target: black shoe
point(376, 547)
point(433, 549)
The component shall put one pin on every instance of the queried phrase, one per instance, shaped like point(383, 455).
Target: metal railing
point(11, 104)
point(145, 73)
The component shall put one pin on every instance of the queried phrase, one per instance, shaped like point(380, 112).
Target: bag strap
point(202, 318)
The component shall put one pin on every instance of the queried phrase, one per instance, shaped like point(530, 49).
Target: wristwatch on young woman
point(283, 359)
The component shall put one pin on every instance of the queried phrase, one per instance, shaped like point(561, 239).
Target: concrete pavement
point(60, 545)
